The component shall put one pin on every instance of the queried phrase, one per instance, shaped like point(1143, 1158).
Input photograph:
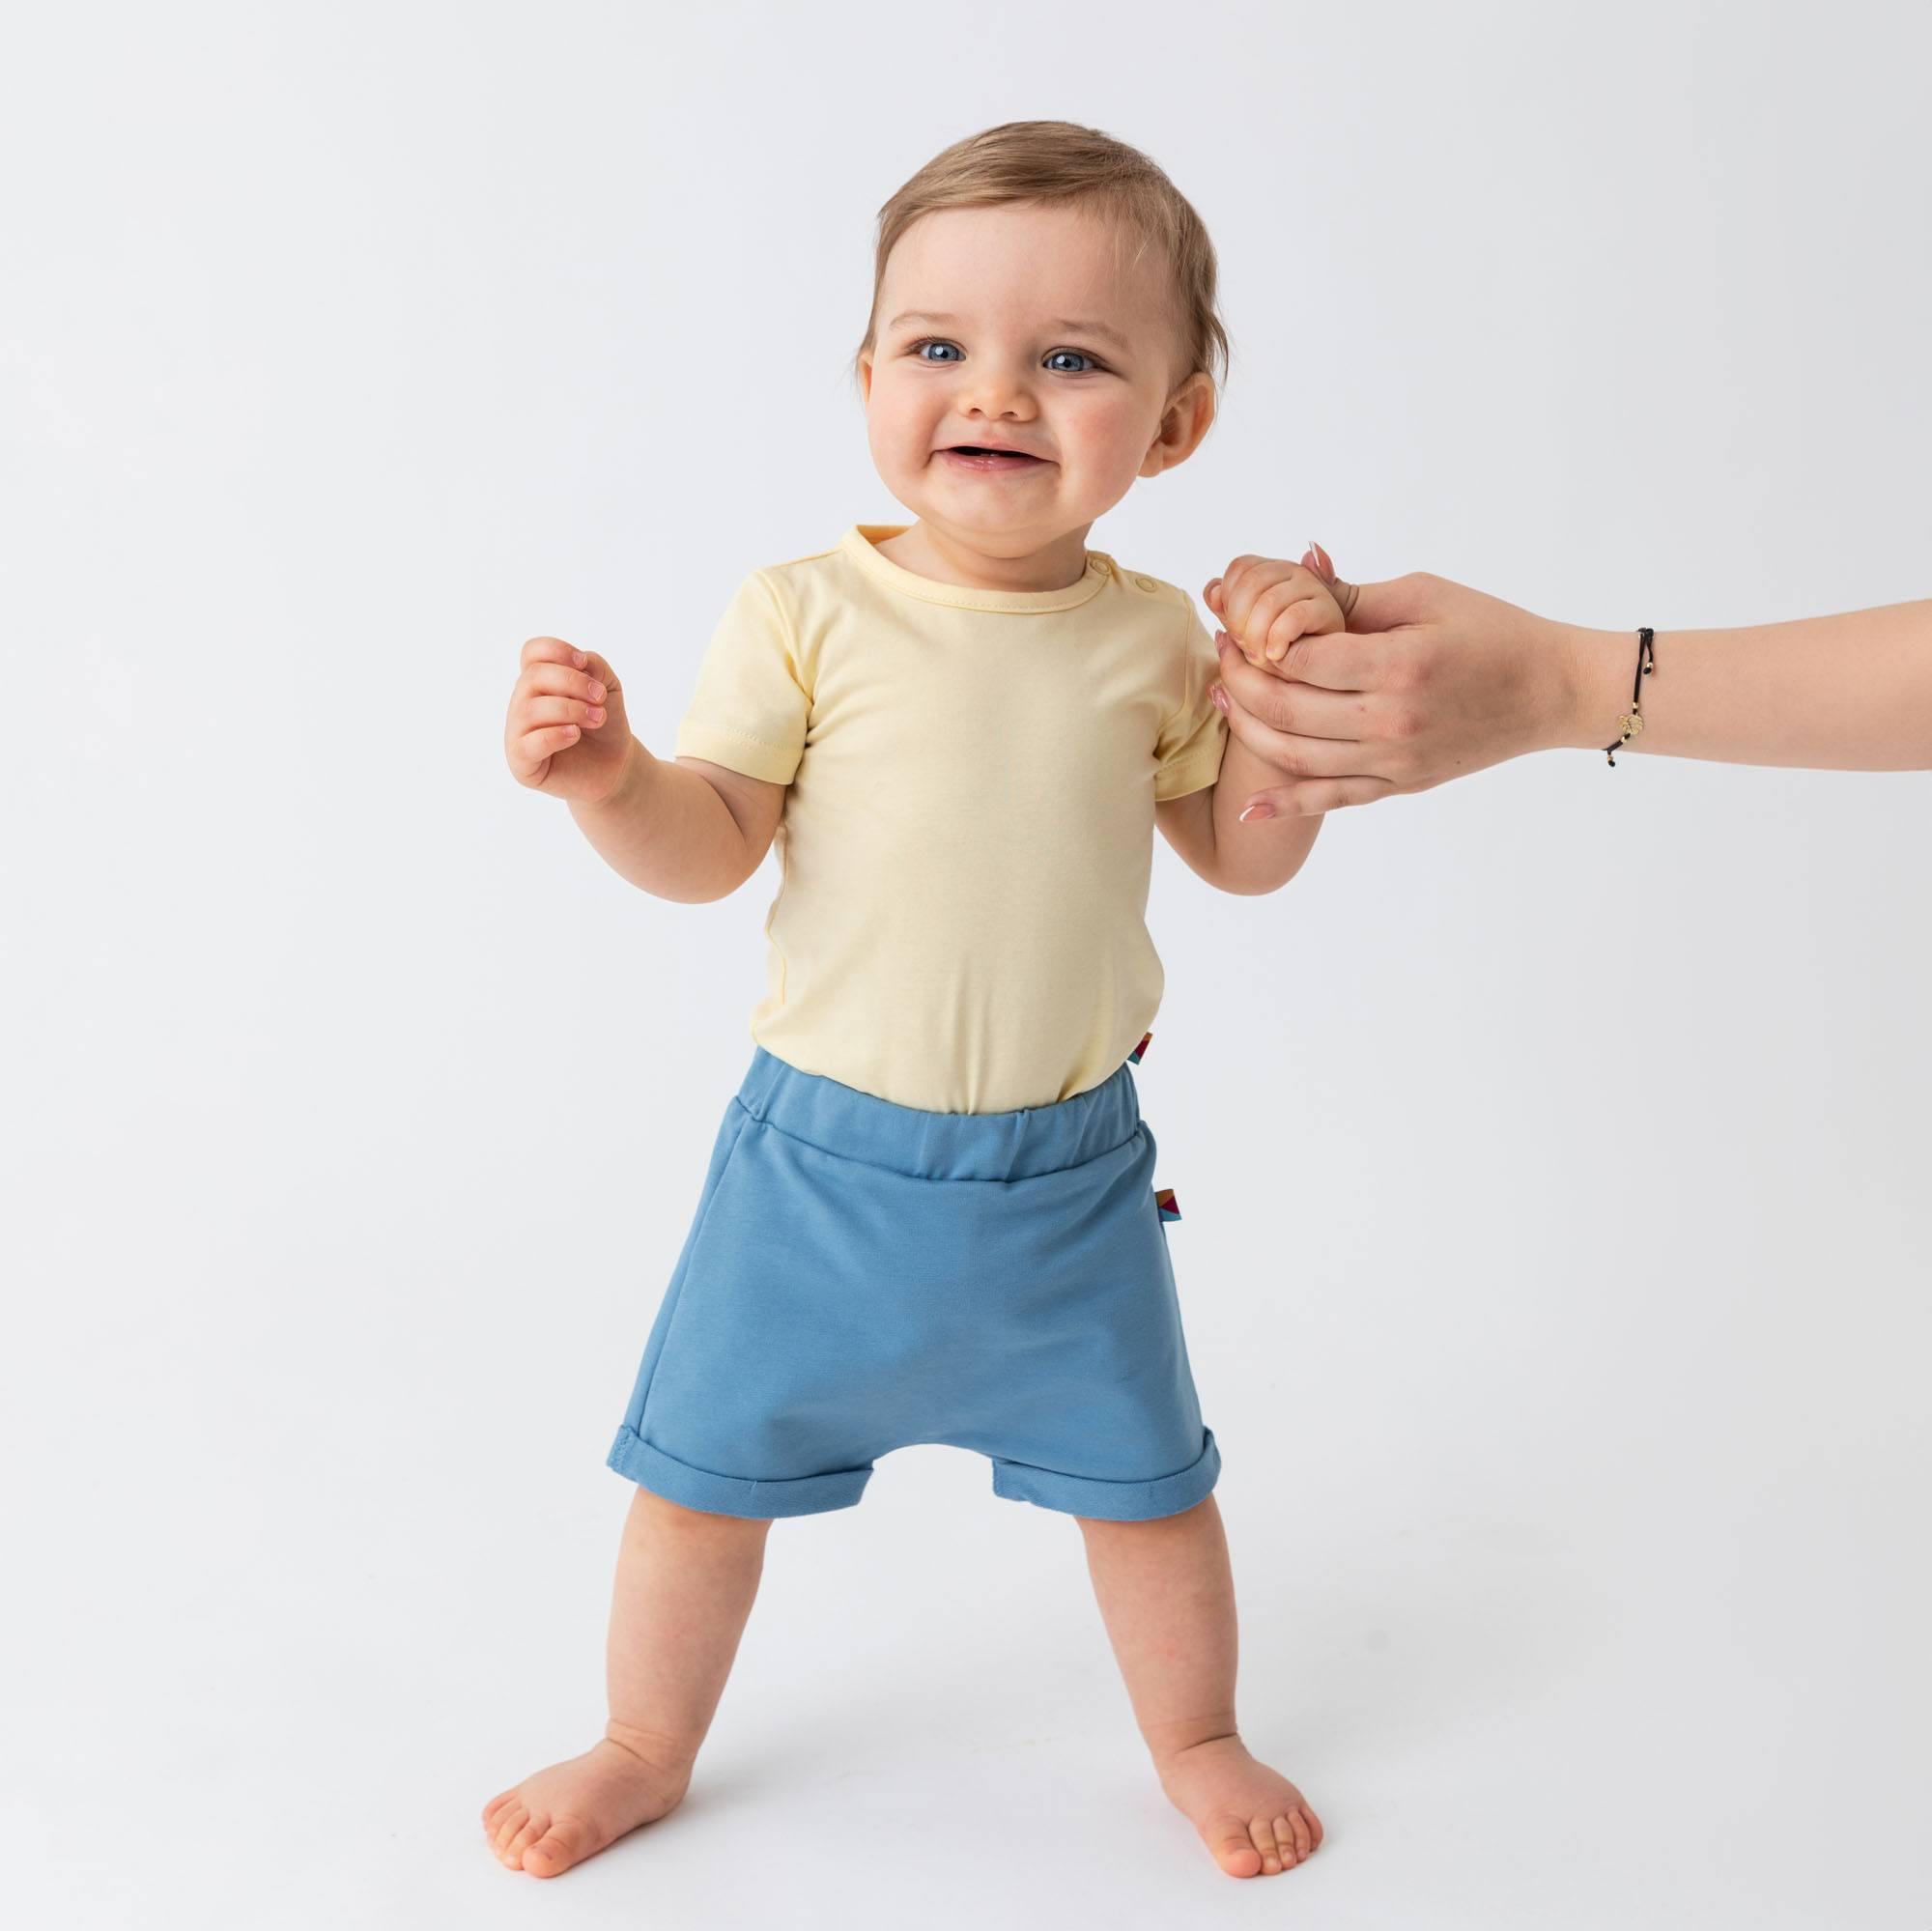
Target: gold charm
point(1632, 724)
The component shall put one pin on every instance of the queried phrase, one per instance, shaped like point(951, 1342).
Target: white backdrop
point(1553, 1152)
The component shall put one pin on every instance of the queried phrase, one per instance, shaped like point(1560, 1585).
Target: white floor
point(1623, 1672)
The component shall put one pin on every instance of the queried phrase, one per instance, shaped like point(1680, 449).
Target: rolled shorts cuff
point(1112, 1501)
point(650, 1467)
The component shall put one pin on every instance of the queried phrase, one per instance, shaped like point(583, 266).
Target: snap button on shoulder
point(1145, 582)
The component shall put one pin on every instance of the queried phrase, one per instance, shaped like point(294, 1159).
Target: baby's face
point(1012, 326)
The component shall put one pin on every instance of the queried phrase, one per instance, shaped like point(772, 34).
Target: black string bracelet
point(1632, 721)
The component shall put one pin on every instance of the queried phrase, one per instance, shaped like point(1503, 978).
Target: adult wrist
point(1596, 686)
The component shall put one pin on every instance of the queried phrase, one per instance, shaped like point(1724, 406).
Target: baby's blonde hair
point(1059, 160)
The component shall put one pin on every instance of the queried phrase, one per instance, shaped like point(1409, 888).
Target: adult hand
point(1432, 680)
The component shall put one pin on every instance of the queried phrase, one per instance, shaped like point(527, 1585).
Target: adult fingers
point(1396, 604)
point(1291, 755)
point(1345, 593)
point(1416, 598)
point(1310, 797)
point(1340, 661)
point(1304, 710)
point(1392, 604)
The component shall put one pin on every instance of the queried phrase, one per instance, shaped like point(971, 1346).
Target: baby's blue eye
point(918, 349)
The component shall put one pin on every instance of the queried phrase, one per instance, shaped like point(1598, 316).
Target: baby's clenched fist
point(567, 733)
point(1267, 603)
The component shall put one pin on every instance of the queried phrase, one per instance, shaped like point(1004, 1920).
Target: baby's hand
point(566, 733)
point(1267, 603)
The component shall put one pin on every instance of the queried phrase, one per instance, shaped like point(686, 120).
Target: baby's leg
point(1167, 1596)
point(685, 1586)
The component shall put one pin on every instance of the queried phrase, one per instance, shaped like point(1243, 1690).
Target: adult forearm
point(666, 830)
point(1844, 693)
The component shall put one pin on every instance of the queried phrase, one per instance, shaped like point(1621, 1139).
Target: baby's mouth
point(979, 457)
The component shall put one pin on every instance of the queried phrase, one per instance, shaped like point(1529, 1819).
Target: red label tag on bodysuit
point(1135, 1055)
point(1165, 1200)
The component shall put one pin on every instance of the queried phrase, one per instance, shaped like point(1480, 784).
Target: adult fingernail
point(1219, 695)
point(1263, 810)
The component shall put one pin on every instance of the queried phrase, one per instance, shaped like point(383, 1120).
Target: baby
point(930, 1213)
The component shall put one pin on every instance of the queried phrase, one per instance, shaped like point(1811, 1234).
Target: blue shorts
point(862, 1276)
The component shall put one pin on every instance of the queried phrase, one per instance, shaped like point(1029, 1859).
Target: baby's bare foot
point(1251, 1817)
point(571, 1810)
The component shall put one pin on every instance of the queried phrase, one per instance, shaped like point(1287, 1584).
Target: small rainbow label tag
point(1164, 1200)
point(1135, 1055)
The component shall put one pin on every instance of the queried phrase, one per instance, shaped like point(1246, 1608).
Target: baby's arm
point(1206, 827)
point(690, 831)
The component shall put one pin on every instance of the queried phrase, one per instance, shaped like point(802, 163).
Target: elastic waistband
point(1034, 1140)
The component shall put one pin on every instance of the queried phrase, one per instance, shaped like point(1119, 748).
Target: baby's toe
point(566, 1842)
point(1283, 1834)
point(533, 1825)
point(508, 1821)
point(1233, 1847)
point(1260, 1835)
point(1307, 1828)
point(494, 1808)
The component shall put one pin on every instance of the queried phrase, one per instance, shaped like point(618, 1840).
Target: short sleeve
point(1188, 750)
point(750, 709)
